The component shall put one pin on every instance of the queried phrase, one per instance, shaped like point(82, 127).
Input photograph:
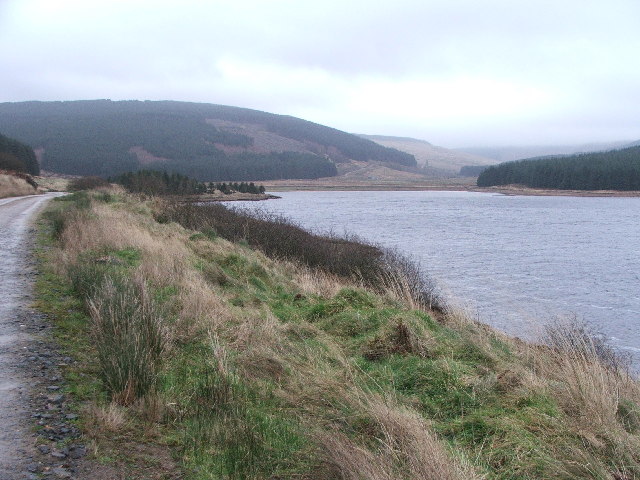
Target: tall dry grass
point(164, 256)
point(406, 447)
point(11, 186)
point(313, 282)
point(405, 280)
point(202, 309)
point(130, 330)
point(590, 377)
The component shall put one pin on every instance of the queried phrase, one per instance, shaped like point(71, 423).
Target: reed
point(130, 336)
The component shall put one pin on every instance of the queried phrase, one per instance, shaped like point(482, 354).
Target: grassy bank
point(216, 346)
point(13, 185)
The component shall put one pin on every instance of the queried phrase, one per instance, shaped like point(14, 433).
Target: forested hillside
point(613, 170)
point(17, 156)
point(207, 142)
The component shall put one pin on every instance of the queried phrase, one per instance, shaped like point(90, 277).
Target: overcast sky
point(453, 72)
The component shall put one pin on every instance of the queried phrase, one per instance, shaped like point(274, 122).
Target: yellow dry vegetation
point(11, 186)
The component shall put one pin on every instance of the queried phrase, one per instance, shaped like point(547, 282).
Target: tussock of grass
point(130, 335)
point(110, 417)
point(279, 368)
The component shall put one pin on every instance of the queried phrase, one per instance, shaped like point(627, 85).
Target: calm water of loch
point(514, 262)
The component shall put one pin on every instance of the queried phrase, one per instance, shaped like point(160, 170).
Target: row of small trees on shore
point(242, 187)
point(154, 182)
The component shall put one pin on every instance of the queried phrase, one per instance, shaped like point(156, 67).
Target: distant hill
point(17, 156)
point(509, 153)
point(204, 141)
point(437, 159)
point(611, 170)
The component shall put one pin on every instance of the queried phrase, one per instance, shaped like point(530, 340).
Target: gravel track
point(30, 390)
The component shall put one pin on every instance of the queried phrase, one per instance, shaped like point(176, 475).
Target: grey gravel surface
point(37, 432)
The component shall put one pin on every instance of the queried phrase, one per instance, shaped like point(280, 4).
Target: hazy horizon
point(455, 73)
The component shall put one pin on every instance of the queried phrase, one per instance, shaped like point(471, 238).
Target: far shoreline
point(323, 185)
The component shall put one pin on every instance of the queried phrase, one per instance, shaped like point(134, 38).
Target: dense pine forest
point(203, 141)
point(17, 156)
point(613, 170)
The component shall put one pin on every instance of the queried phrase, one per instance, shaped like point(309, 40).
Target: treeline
point(255, 166)
point(613, 170)
point(242, 187)
point(153, 182)
point(17, 156)
point(96, 138)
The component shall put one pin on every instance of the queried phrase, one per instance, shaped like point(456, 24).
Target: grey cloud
point(580, 52)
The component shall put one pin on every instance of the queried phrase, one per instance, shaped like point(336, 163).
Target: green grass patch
point(130, 256)
point(205, 234)
point(228, 429)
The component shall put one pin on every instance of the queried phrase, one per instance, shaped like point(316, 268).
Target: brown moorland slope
point(433, 156)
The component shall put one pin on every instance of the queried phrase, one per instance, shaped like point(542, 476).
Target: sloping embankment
point(16, 185)
point(243, 366)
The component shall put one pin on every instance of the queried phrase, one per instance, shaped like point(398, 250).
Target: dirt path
point(16, 337)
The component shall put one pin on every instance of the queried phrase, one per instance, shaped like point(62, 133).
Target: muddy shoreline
point(443, 187)
point(519, 190)
point(232, 197)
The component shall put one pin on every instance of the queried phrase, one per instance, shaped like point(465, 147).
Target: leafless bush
point(405, 278)
point(347, 257)
point(279, 237)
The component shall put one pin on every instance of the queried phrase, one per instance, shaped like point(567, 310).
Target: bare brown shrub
point(347, 257)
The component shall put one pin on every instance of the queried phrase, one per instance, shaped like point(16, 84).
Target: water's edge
point(513, 262)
